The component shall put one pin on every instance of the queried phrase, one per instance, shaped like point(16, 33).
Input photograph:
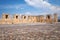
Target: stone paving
point(30, 32)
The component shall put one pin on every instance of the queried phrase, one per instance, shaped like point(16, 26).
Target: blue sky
point(33, 7)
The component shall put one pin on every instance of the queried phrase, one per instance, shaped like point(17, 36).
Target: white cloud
point(38, 3)
point(43, 4)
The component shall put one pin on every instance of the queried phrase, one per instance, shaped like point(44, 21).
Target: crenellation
point(17, 19)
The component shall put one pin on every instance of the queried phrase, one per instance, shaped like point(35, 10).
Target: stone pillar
point(16, 19)
point(6, 19)
point(48, 19)
point(5, 16)
point(29, 19)
point(24, 19)
point(34, 19)
point(55, 18)
point(41, 19)
point(38, 18)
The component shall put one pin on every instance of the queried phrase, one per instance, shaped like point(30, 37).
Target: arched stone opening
point(6, 16)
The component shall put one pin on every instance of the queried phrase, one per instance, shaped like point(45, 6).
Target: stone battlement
point(17, 19)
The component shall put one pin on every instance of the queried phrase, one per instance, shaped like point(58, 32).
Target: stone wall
point(55, 18)
point(49, 19)
point(6, 19)
point(17, 19)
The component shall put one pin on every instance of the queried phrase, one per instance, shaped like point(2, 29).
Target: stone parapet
point(17, 19)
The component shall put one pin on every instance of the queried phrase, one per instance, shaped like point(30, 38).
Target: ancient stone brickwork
point(6, 19)
point(17, 19)
point(49, 19)
point(55, 18)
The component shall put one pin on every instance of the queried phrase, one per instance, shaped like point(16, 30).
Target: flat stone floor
point(32, 31)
